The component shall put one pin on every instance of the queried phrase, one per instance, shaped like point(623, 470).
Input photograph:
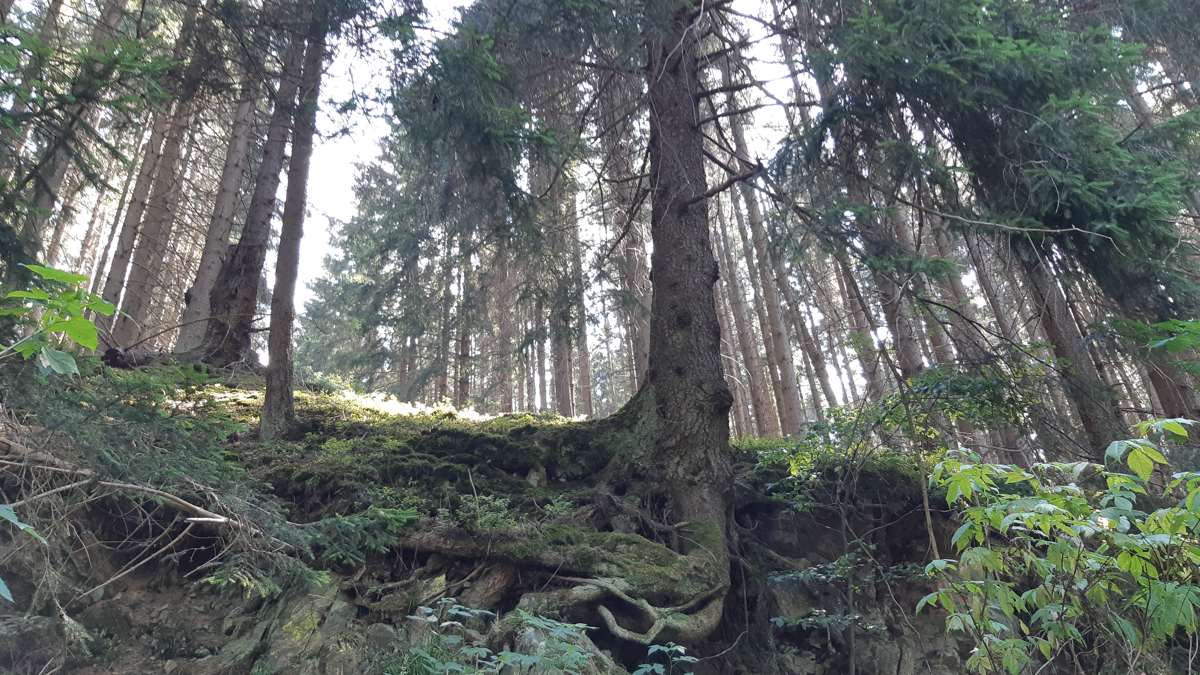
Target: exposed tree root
point(604, 565)
point(679, 623)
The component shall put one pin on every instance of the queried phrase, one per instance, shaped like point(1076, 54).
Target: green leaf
point(52, 274)
point(101, 306)
point(1142, 459)
point(35, 294)
point(81, 330)
point(1141, 465)
point(930, 600)
point(7, 513)
point(1116, 450)
point(58, 362)
point(4, 592)
point(1175, 427)
point(1125, 629)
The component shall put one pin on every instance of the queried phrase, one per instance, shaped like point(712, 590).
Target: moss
point(652, 568)
point(300, 627)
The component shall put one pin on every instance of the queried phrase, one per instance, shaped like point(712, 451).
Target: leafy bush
point(1061, 563)
point(451, 647)
point(55, 314)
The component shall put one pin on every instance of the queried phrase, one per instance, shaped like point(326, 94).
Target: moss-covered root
point(679, 597)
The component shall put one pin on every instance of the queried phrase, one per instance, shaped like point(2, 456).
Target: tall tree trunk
point(684, 382)
point(47, 175)
point(504, 340)
point(63, 220)
point(582, 354)
point(194, 320)
point(1089, 396)
point(156, 229)
point(811, 349)
point(791, 415)
point(863, 338)
point(560, 355)
point(234, 297)
point(91, 236)
point(539, 324)
point(119, 268)
point(98, 267)
point(466, 300)
point(621, 169)
point(766, 423)
point(279, 410)
point(445, 327)
point(760, 311)
point(741, 411)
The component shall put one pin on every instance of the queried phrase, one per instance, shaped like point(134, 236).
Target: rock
point(552, 650)
point(381, 636)
point(489, 589)
point(536, 476)
point(304, 633)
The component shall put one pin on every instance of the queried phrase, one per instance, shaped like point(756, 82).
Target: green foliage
point(484, 512)
point(671, 660)
point(54, 314)
point(1072, 561)
point(449, 648)
point(1025, 94)
point(346, 540)
point(837, 465)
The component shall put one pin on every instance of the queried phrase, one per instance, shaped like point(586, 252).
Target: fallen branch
point(199, 513)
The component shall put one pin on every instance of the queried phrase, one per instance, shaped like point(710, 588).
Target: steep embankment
point(398, 543)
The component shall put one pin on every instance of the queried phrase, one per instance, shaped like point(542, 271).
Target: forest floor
point(387, 539)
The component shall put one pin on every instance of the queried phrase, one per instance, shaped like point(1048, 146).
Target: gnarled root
point(679, 623)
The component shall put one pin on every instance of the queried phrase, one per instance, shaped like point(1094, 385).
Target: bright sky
point(335, 159)
point(331, 182)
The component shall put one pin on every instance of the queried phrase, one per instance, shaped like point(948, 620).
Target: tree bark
point(99, 264)
point(1089, 396)
point(505, 319)
point(621, 169)
point(582, 354)
point(161, 208)
point(234, 297)
point(684, 382)
point(773, 421)
point(132, 220)
point(462, 354)
point(194, 320)
point(279, 410)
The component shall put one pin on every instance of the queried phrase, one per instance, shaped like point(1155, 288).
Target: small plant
point(559, 508)
point(1061, 562)
point(56, 314)
point(347, 540)
point(448, 649)
point(672, 659)
point(485, 512)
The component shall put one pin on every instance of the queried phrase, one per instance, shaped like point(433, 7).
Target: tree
point(234, 297)
point(278, 405)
